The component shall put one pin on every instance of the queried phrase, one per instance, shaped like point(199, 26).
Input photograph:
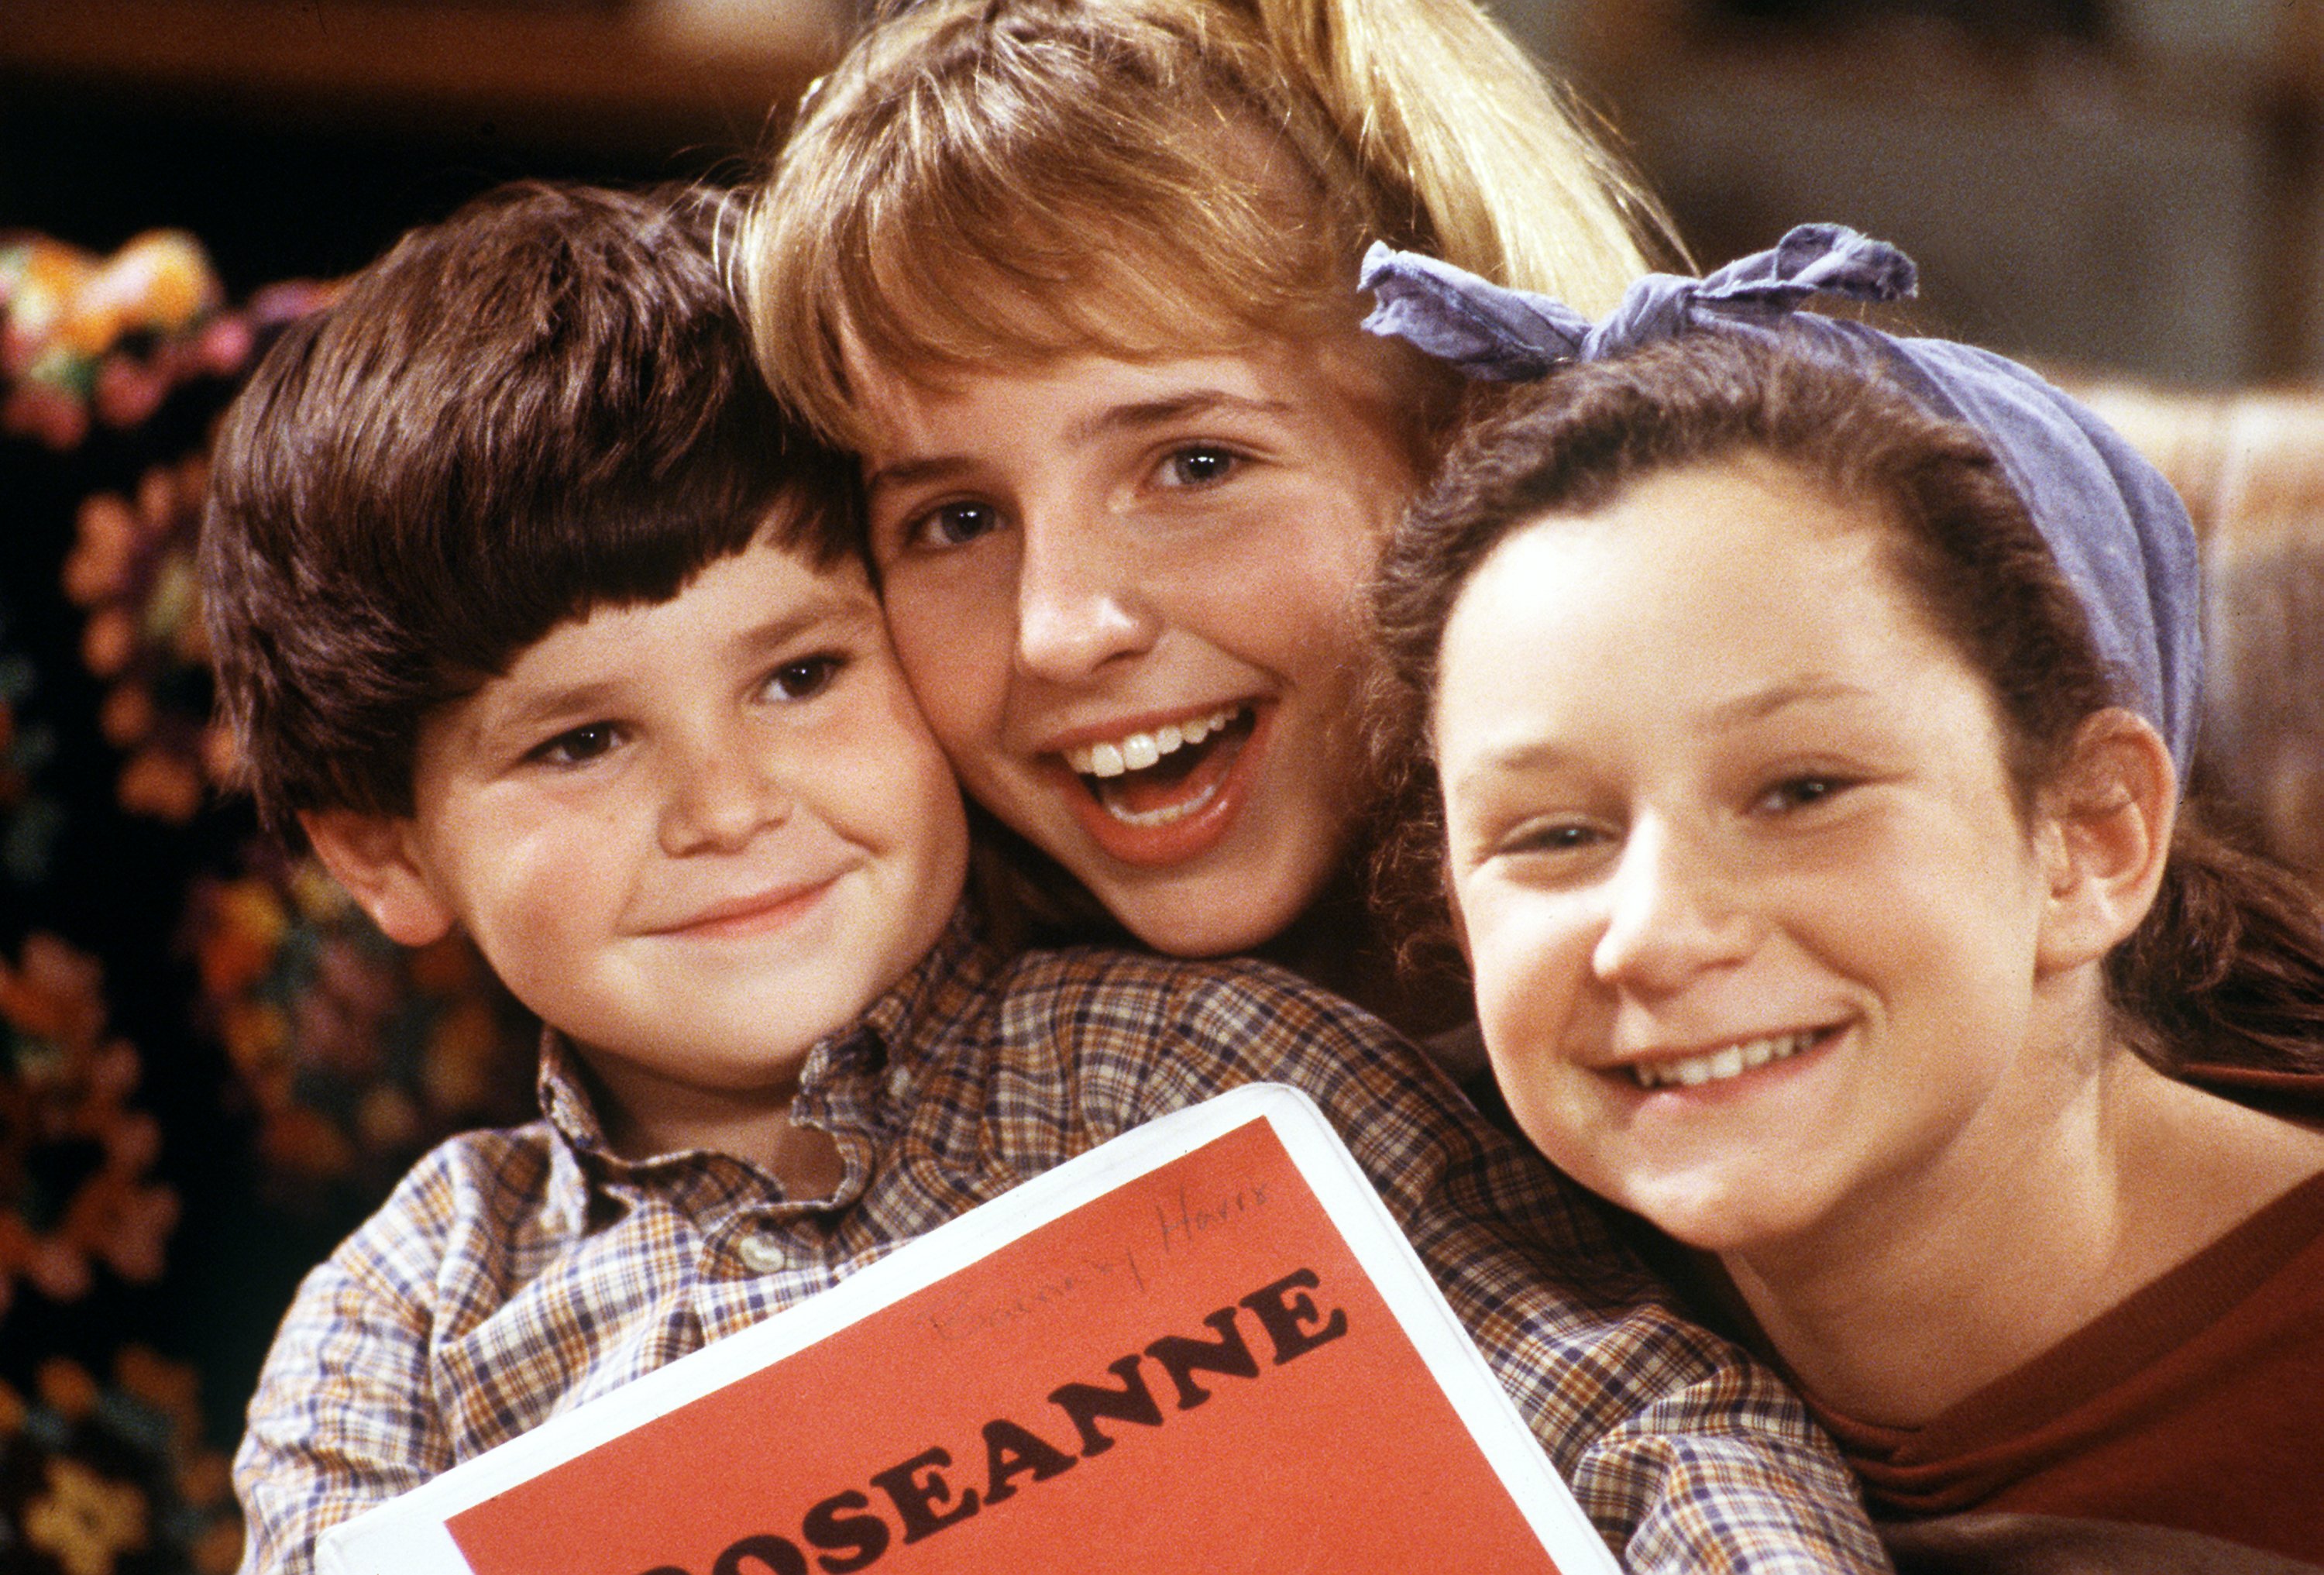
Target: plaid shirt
point(516, 1274)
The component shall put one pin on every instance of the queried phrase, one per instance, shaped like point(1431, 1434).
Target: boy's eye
point(807, 676)
point(956, 524)
point(1201, 465)
point(577, 746)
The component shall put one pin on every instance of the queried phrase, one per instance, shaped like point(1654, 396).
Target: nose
point(725, 791)
point(1080, 602)
point(1672, 913)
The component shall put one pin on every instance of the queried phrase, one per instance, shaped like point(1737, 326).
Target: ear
point(372, 856)
point(2104, 835)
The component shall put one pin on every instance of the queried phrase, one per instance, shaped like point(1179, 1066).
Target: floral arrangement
point(355, 1052)
point(84, 338)
point(131, 570)
point(74, 1153)
point(346, 1054)
point(113, 1478)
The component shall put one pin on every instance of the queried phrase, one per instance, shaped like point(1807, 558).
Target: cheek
point(1532, 1007)
point(533, 908)
point(1529, 961)
point(875, 770)
point(1279, 575)
point(1952, 898)
point(921, 798)
point(1306, 595)
point(955, 643)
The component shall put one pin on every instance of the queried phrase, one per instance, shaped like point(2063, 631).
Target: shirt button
point(761, 1255)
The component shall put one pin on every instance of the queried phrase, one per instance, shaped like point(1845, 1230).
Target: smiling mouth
point(752, 914)
point(1148, 779)
point(1726, 1062)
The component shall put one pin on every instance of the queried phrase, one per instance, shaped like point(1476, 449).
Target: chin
point(1196, 935)
point(1205, 918)
point(1716, 1219)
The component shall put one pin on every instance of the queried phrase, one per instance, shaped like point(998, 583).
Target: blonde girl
point(1077, 279)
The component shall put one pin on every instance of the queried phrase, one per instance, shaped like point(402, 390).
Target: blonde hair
point(985, 181)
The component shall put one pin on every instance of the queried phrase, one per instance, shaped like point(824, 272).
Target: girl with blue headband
point(1808, 710)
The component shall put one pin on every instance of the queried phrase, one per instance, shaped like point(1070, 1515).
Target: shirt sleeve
point(343, 1417)
point(1687, 1453)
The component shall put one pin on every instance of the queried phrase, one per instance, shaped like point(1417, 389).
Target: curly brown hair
point(2228, 967)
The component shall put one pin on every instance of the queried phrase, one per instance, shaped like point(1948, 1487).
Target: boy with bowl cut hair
point(538, 620)
point(506, 420)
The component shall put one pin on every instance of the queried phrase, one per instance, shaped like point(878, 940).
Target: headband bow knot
point(1513, 336)
point(2118, 531)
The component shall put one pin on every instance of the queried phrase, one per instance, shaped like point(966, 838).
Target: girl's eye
point(578, 746)
point(803, 678)
point(1798, 793)
point(1200, 467)
point(955, 524)
point(1556, 837)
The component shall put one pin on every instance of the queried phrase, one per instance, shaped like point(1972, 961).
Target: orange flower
point(84, 1522)
point(66, 1389)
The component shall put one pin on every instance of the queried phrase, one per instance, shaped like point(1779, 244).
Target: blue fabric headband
point(2120, 533)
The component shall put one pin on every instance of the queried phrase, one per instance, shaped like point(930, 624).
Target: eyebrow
point(910, 472)
point(822, 607)
point(1538, 754)
point(1761, 703)
point(538, 711)
point(1142, 414)
point(1133, 415)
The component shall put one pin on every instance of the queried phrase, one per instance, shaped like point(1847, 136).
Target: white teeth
point(1137, 751)
point(1164, 815)
point(1716, 1065)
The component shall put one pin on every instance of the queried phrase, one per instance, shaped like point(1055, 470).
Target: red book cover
point(1199, 1347)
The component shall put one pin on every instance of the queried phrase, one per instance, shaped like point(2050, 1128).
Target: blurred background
point(209, 1071)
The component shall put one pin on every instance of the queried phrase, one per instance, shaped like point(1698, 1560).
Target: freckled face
point(696, 835)
point(1752, 912)
point(1126, 595)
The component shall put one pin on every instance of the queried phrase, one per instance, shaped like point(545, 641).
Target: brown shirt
point(2197, 1403)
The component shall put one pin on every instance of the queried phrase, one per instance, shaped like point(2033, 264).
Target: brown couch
point(2251, 466)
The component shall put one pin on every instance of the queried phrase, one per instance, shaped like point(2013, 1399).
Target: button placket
point(762, 1252)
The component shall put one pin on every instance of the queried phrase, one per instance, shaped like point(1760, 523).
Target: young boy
point(536, 620)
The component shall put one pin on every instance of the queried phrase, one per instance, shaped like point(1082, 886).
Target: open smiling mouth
point(1727, 1060)
point(1151, 779)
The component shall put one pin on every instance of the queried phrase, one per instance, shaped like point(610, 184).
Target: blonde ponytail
point(1443, 108)
point(983, 181)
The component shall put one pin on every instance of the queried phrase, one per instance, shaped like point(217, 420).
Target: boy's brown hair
point(543, 405)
